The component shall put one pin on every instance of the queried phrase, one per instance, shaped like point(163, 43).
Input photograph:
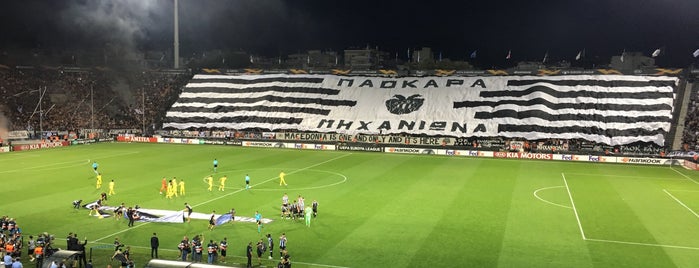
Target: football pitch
point(375, 210)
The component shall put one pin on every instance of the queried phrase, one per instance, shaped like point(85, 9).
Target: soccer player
point(169, 190)
point(258, 219)
point(210, 181)
point(260, 251)
point(174, 186)
point(281, 178)
point(222, 183)
point(182, 191)
point(215, 165)
point(111, 188)
point(270, 244)
point(163, 185)
point(99, 180)
point(95, 166)
point(247, 181)
point(188, 209)
point(315, 208)
point(282, 244)
point(223, 246)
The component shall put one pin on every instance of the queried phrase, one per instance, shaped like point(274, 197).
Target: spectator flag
point(546, 57)
point(656, 53)
point(509, 55)
point(473, 54)
point(622, 55)
point(696, 53)
point(579, 56)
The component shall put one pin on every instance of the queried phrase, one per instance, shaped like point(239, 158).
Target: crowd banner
point(613, 109)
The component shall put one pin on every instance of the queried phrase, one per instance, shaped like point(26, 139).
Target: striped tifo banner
point(611, 109)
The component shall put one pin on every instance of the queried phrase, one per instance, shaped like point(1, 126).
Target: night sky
point(455, 28)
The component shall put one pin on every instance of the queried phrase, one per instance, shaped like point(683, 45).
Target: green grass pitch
point(376, 210)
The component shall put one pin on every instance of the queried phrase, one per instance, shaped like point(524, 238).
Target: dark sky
point(272, 27)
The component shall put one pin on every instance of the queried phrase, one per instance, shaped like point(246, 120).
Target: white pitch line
point(575, 210)
point(684, 176)
point(234, 256)
point(678, 201)
point(552, 203)
point(641, 244)
point(229, 194)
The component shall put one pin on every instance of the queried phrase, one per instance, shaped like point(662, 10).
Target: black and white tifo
point(611, 109)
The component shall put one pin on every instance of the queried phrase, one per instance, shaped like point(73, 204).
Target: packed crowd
point(690, 136)
point(121, 100)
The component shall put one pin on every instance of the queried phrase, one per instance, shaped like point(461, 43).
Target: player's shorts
point(212, 222)
point(223, 252)
point(247, 182)
point(215, 166)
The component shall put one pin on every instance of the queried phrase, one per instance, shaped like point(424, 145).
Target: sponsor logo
point(567, 157)
point(263, 144)
point(404, 150)
point(536, 156)
point(402, 105)
point(319, 147)
point(474, 153)
point(427, 151)
point(453, 152)
point(36, 146)
point(651, 161)
point(594, 158)
point(358, 148)
point(299, 146)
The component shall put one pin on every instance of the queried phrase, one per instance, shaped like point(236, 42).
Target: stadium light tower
point(177, 39)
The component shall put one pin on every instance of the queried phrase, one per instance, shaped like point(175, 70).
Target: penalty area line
point(681, 203)
point(694, 181)
point(640, 244)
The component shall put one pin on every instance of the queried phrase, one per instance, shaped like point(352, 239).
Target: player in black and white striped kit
point(270, 244)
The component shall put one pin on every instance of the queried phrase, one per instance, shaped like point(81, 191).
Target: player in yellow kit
point(281, 178)
point(111, 188)
point(210, 181)
point(222, 183)
point(182, 187)
point(99, 180)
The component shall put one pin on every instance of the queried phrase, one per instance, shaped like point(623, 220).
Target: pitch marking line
point(684, 176)
point(640, 244)
point(546, 201)
point(622, 176)
point(678, 201)
point(575, 210)
point(234, 256)
point(226, 195)
point(62, 165)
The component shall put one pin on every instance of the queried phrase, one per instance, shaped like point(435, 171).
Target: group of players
point(297, 209)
